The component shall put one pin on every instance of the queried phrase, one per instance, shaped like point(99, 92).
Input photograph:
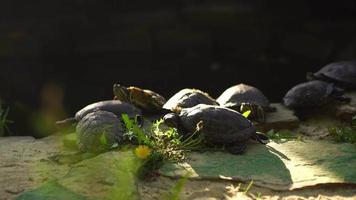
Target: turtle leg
point(236, 149)
point(261, 117)
point(337, 93)
point(343, 99)
point(261, 138)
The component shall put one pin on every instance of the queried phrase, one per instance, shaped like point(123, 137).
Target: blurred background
point(57, 56)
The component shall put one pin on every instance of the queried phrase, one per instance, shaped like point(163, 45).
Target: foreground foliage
point(4, 121)
point(159, 143)
point(282, 136)
point(344, 134)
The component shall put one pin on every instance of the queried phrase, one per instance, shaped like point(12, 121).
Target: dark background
point(74, 50)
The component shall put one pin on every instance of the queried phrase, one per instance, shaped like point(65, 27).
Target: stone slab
point(283, 118)
point(345, 112)
point(283, 166)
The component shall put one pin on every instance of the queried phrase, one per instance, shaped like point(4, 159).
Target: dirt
point(214, 190)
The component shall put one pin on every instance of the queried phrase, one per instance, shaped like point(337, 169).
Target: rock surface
point(27, 168)
point(278, 166)
point(283, 118)
point(346, 112)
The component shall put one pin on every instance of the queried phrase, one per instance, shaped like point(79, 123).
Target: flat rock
point(110, 175)
point(43, 168)
point(50, 191)
point(24, 164)
point(283, 166)
point(347, 111)
point(283, 118)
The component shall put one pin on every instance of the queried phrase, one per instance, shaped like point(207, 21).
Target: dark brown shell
point(219, 125)
point(342, 72)
point(308, 94)
point(242, 93)
point(115, 106)
point(94, 126)
point(187, 98)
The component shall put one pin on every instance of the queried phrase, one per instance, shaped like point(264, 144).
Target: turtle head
point(256, 111)
point(121, 92)
point(172, 120)
point(310, 76)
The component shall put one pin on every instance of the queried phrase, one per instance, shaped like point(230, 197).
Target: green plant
point(239, 193)
point(246, 113)
point(4, 128)
point(159, 143)
point(177, 188)
point(344, 134)
point(282, 136)
point(247, 189)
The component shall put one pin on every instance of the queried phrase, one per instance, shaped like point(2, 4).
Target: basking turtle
point(115, 106)
point(313, 94)
point(187, 98)
point(220, 126)
point(147, 100)
point(98, 131)
point(342, 73)
point(244, 97)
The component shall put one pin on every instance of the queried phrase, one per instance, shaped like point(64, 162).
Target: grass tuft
point(4, 121)
point(164, 143)
point(344, 134)
point(282, 136)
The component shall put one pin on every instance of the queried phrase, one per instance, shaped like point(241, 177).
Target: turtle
point(220, 126)
point(313, 94)
point(115, 106)
point(147, 100)
point(243, 97)
point(343, 73)
point(187, 98)
point(99, 130)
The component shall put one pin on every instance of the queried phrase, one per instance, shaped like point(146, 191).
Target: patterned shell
point(187, 98)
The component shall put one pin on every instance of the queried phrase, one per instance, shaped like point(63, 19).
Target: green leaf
point(127, 121)
point(246, 113)
point(134, 130)
point(103, 140)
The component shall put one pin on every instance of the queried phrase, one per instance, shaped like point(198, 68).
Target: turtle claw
point(343, 99)
point(261, 138)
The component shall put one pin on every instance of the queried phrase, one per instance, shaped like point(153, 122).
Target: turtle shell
point(98, 130)
point(147, 100)
point(115, 106)
point(236, 95)
point(187, 98)
point(343, 72)
point(308, 94)
point(219, 125)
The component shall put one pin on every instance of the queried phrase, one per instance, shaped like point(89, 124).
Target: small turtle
point(187, 98)
point(313, 94)
point(220, 126)
point(244, 97)
point(115, 106)
point(147, 100)
point(98, 131)
point(342, 73)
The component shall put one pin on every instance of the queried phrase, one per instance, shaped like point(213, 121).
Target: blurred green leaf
point(103, 139)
